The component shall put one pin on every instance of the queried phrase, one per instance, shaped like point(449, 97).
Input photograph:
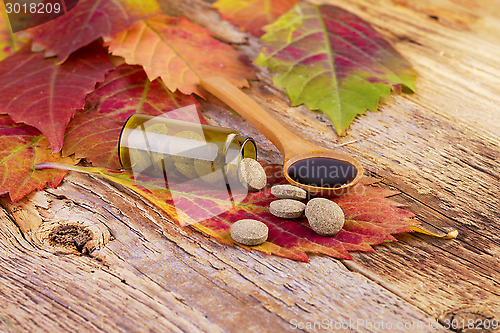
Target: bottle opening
point(237, 149)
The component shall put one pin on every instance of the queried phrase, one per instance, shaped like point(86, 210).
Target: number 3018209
point(478, 324)
point(32, 8)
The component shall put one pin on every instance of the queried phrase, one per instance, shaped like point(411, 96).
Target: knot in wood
point(70, 235)
point(473, 318)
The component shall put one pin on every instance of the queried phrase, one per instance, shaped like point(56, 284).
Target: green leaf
point(332, 61)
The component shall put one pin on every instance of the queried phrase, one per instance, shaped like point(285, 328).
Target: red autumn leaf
point(88, 21)
point(371, 218)
point(40, 93)
point(21, 148)
point(29, 14)
point(9, 42)
point(252, 15)
point(180, 53)
point(94, 132)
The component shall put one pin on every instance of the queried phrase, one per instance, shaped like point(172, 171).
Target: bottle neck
point(237, 148)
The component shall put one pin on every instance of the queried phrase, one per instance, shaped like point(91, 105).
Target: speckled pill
point(287, 208)
point(156, 158)
point(325, 217)
point(177, 147)
point(159, 128)
point(162, 162)
point(288, 192)
point(252, 175)
point(183, 164)
point(211, 172)
point(139, 160)
point(249, 232)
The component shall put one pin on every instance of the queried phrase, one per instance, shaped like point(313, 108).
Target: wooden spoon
point(316, 169)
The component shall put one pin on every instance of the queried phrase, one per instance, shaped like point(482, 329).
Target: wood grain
point(439, 147)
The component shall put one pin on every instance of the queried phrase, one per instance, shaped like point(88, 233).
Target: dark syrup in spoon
point(322, 172)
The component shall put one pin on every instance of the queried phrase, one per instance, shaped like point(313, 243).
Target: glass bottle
point(181, 151)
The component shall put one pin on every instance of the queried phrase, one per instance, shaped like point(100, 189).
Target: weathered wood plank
point(44, 291)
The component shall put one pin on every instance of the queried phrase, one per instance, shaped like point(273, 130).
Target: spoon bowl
point(316, 169)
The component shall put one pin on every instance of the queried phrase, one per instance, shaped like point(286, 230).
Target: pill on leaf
point(249, 232)
point(288, 192)
point(324, 216)
point(287, 208)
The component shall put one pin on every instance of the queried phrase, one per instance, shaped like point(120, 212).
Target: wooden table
point(439, 147)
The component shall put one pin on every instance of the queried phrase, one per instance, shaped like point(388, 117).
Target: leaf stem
point(62, 166)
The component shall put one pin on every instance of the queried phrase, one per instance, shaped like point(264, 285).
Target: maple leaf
point(9, 43)
point(331, 60)
point(21, 148)
point(40, 93)
point(30, 14)
point(371, 217)
point(253, 15)
point(88, 21)
point(180, 53)
point(94, 132)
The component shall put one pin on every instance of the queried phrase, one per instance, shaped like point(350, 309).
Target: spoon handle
point(287, 143)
